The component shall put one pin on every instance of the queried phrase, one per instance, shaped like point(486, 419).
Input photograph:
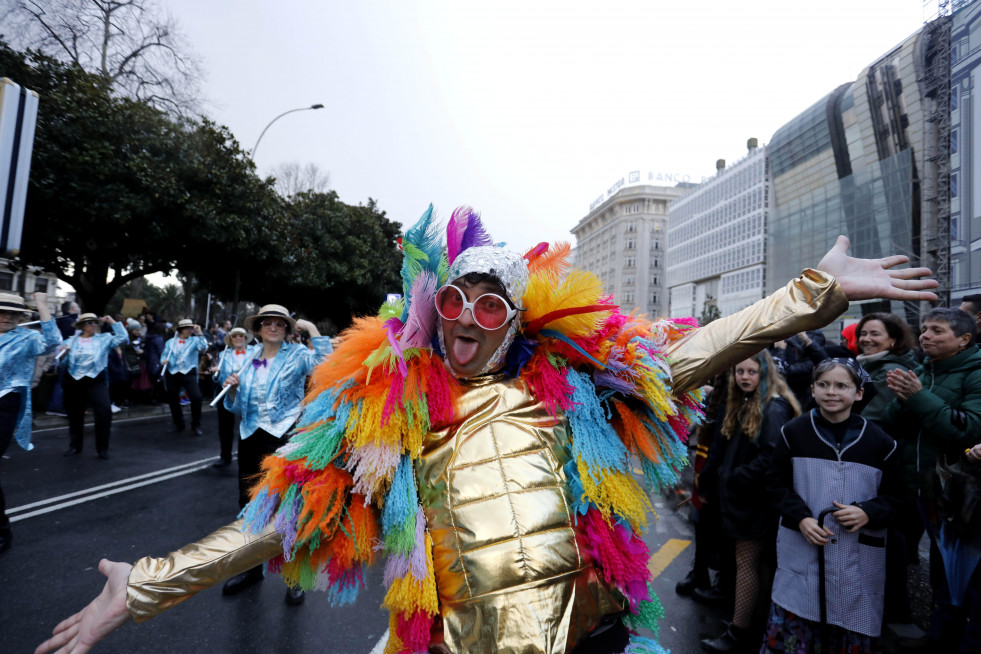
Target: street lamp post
point(238, 271)
point(313, 106)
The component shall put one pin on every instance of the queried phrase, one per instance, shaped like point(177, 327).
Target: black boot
point(6, 538)
point(294, 596)
point(733, 641)
point(693, 581)
point(711, 596)
point(240, 582)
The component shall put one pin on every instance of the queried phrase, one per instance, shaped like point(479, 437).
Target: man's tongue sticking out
point(464, 350)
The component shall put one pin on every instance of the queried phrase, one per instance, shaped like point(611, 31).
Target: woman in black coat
point(759, 403)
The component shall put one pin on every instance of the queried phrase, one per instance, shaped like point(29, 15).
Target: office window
point(40, 285)
point(6, 281)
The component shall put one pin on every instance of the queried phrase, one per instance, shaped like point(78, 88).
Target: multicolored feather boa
point(344, 486)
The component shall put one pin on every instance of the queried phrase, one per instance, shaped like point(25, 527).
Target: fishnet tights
point(748, 567)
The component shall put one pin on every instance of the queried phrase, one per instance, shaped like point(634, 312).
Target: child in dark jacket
point(830, 458)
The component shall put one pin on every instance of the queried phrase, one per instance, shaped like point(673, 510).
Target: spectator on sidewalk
point(758, 405)
point(710, 550)
point(831, 458)
point(886, 343)
point(86, 380)
point(938, 412)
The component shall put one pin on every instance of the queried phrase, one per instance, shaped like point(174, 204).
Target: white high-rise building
point(717, 239)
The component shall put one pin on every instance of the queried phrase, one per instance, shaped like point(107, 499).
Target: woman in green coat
point(885, 343)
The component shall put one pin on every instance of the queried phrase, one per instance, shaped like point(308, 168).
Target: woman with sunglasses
point(266, 396)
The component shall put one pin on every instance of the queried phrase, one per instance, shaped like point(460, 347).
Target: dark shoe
point(104, 455)
point(72, 451)
point(6, 539)
point(197, 431)
point(923, 643)
point(733, 640)
point(687, 586)
point(294, 596)
point(221, 463)
point(240, 582)
point(712, 596)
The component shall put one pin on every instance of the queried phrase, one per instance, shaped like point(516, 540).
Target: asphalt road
point(158, 492)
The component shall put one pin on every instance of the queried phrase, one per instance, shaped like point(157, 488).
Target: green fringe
point(648, 616)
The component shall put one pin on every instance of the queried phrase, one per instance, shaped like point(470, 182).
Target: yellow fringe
point(408, 595)
point(617, 493)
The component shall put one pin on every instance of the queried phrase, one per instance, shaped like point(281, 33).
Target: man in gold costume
point(491, 547)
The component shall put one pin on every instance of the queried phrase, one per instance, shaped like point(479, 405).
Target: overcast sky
point(525, 110)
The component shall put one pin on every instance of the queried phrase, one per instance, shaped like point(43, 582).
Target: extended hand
point(106, 613)
point(813, 532)
point(851, 517)
point(232, 380)
point(866, 279)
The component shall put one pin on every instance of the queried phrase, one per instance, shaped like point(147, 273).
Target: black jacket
point(736, 474)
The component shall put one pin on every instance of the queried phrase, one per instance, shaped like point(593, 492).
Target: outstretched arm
point(153, 585)
point(103, 615)
point(811, 301)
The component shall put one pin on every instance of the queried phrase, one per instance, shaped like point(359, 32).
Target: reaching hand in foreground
point(106, 613)
point(865, 279)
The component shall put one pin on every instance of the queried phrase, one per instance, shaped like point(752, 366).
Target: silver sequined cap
point(506, 265)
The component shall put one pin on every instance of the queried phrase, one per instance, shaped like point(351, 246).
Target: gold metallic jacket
point(510, 573)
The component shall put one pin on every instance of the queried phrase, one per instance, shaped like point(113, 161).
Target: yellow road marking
point(664, 556)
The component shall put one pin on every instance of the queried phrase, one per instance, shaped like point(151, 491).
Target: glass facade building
point(858, 163)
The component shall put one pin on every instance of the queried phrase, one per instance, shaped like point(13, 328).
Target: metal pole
point(256, 146)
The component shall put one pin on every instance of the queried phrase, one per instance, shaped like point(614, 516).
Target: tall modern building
point(623, 239)
point(868, 160)
point(965, 150)
point(717, 236)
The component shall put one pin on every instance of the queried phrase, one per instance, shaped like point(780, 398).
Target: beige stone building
point(623, 239)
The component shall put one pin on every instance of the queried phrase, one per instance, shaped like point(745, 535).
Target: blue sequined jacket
point(183, 359)
point(285, 384)
point(18, 349)
point(91, 363)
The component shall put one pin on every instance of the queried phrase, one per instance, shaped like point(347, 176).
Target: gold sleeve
point(157, 584)
point(810, 301)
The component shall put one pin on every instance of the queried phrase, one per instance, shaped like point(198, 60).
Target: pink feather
point(455, 230)
point(420, 324)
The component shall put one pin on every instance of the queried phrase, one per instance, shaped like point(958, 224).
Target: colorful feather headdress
point(345, 482)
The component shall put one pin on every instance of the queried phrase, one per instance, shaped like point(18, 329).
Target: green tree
point(119, 189)
point(710, 311)
point(341, 259)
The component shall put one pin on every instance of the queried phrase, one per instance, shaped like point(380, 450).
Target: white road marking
point(115, 421)
point(380, 645)
point(90, 494)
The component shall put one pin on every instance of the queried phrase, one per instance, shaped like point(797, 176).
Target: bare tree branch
point(293, 178)
point(132, 43)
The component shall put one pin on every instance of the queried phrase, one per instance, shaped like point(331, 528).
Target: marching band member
point(267, 397)
point(87, 358)
point(231, 360)
point(180, 355)
point(18, 349)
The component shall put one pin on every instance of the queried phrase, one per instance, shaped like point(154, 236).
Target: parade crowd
point(817, 472)
point(818, 467)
